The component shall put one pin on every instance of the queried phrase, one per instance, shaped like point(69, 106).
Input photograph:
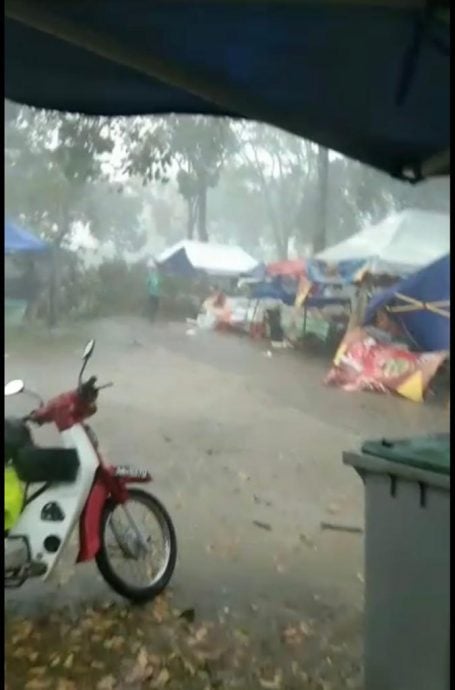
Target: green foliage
point(263, 184)
point(115, 287)
point(50, 160)
point(200, 147)
point(146, 152)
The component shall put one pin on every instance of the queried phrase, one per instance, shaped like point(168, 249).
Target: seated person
point(386, 331)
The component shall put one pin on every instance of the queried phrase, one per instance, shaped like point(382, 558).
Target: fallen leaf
point(271, 684)
point(163, 679)
point(64, 684)
point(37, 684)
point(25, 630)
point(115, 642)
point(69, 661)
point(201, 634)
point(142, 659)
point(144, 668)
point(188, 666)
point(160, 609)
point(38, 670)
point(106, 683)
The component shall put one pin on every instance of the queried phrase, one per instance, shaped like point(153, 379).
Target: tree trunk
point(53, 286)
point(320, 235)
point(202, 214)
point(55, 277)
point(282, 244)
point(191, 218)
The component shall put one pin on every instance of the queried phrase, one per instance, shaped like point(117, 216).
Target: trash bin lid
point(431, 452)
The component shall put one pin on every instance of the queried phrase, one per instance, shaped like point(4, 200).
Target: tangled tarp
point(364, 363)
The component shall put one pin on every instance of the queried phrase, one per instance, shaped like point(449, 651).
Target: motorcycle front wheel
point(138, 546)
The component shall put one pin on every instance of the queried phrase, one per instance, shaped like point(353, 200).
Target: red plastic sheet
point(363, 363)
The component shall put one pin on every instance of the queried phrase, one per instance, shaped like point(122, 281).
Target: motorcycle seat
point(34, 464)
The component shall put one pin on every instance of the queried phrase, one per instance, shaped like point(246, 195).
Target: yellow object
point(14, 497)
point(412, 388)
point(302, 292)
point(339, 353)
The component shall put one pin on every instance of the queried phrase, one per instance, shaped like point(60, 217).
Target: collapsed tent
point(420, 305)
point(399, 245)
point(188, 258)
point(18, 241)
point(382, 69)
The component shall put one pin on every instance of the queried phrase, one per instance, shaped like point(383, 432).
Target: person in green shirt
point(153, 289)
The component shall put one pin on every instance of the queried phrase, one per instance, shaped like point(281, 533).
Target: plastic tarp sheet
point(340, 273)
point(399, 245)
point(368, 79)
point(188, 257)
point(18, 240)
point(420, 305)
point(276, 289)
point(291, 268)
point(363, 363)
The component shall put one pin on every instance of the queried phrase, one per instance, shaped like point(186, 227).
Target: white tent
point(399, 244)
point(214, 259)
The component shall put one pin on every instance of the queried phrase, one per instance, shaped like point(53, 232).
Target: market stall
point(26, 271)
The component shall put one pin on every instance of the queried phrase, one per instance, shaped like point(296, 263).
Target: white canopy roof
point(401, 243)
point(214, 259)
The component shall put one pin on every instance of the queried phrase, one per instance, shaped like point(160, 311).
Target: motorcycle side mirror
point(88, 351)
point(14, 387)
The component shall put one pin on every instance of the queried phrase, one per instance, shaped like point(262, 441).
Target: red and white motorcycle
point(126, 530)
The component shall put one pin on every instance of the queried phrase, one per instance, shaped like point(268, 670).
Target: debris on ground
point(338, 527)
point(262, 525)
point(113, 647)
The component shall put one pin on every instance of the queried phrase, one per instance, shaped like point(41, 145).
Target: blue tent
point(18, 240)
point(421, 305)
point(367, 78)
point(276, 288)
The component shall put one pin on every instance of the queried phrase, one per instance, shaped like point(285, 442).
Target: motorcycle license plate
point(131, 472)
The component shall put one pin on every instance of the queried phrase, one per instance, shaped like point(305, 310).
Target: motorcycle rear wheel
point(105, 561)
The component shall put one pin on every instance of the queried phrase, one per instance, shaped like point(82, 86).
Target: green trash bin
point(407, 562)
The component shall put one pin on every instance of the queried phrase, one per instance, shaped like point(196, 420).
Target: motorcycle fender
point(90, 523)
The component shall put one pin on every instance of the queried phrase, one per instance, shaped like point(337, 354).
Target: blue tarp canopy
point(19, 241)
point(367, 78)
point(276, 289)
point(421, 305)
point(340, 273)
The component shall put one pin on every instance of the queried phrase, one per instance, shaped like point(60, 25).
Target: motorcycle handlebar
point(90, 390)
